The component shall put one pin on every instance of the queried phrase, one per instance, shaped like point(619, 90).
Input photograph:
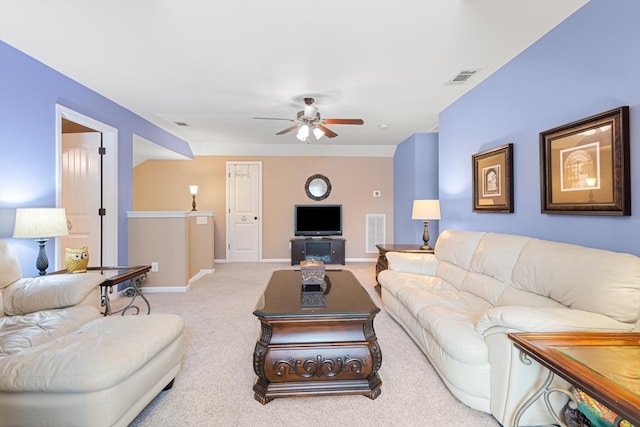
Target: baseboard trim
point(164, 289)
point(199, 275)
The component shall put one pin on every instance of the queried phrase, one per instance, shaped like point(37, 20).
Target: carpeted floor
point(214, 387)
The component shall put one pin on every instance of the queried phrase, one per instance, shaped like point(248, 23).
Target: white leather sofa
point(63, 364)
point(459, 303)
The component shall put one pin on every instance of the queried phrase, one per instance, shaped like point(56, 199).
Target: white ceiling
point(215, 64)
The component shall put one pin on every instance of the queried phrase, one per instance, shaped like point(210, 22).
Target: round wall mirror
point(317, 187)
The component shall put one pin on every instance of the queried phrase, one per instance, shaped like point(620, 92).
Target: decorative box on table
point(312, 280)
point(312, 272)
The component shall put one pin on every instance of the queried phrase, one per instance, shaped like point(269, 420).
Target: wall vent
point(375, 232)
point(462, 77)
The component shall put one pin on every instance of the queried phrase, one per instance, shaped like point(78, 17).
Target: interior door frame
point(110, 186)
point(227, 207)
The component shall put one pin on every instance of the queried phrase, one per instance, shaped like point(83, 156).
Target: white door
point(80, 169)
point(88, 185)
point(244, 202)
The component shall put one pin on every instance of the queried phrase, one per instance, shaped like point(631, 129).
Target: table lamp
point(193, 189)
point(425, 210)
point(40, 224)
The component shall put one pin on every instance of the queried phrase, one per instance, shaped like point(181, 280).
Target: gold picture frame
point(493, 180)
point(584, 166)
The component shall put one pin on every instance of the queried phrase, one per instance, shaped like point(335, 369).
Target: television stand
point(329, 250)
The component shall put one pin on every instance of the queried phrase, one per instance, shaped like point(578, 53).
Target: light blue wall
point(29, 92)
point(415, 176)
point(589, 64)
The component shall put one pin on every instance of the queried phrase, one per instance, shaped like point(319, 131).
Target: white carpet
point(214, 387)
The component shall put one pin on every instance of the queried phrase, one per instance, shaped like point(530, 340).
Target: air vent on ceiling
point(462, 77)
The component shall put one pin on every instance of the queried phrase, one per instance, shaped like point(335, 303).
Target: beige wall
point(163, 185)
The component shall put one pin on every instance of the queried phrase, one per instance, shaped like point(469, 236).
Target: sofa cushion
point(455, 250)
point(392, 281)
point(47, 292)
point(486, 287)
point(457, 247)
point(454, 330)
point(424, 264)
point(9, 265)
point(511, 296)
point(18, 333)
point(96, 357)
point(548, 319)
point(582, 278)
point(416, 299)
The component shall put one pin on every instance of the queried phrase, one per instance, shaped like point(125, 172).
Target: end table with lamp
point(425, 210)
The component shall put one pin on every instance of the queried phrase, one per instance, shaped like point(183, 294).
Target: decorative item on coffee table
point(313, 277)
point(312, 272)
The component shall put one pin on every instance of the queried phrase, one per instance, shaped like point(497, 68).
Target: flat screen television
point(318, 220)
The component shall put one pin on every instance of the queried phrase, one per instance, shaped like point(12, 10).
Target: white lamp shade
point(193, 189)
point(318, 133)
point(38, 223)
point(303, 133)
point(426, 209)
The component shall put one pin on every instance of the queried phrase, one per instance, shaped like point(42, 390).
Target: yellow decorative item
point(76, 260)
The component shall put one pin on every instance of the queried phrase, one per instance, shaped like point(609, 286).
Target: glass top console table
point(135, 275)
point(604, 365)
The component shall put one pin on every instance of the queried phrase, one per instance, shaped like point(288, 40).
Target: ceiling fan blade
point(289, 129)
point(273, 118)
point(327, 132)
point(343, 121)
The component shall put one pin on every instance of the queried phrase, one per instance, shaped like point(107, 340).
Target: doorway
point(244, 211)
point(86, 183)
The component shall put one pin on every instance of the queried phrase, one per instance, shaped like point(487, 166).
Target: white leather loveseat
point(459, 304)
point(63, 364)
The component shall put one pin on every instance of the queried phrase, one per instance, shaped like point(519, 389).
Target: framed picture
point(584, 166)
point(493, 180)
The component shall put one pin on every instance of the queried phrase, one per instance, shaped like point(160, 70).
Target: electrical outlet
point(154, 267)
point(201, 220)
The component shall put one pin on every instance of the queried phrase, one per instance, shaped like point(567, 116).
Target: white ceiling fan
point(309, 121)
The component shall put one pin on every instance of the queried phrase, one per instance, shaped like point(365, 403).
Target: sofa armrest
point(546, 319)
point(418, 263)
point(29, 295)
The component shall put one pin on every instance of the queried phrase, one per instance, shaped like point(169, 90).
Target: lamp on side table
point(40, 224)
point(425, 210)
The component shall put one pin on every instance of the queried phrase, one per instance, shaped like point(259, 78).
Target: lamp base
point(42, 263)
point(426, 248)
point(425, 237)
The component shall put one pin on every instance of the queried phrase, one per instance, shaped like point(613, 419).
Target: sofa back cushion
point(581, 278)
point(9, 269)
point(9, 265)
point(454, 249)
point(492, 265)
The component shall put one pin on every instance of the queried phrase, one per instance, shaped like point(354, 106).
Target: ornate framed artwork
point(493, 180)
point(584, 166)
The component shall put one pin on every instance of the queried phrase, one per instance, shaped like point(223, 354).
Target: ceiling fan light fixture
point(318, 133)
point(310, 112)
point(303, 133)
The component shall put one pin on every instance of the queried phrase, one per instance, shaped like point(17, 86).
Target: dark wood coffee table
point(327, 347)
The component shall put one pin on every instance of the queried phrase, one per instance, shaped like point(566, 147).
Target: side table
point(116, 275)
point(604, 365)
point(383, 248)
